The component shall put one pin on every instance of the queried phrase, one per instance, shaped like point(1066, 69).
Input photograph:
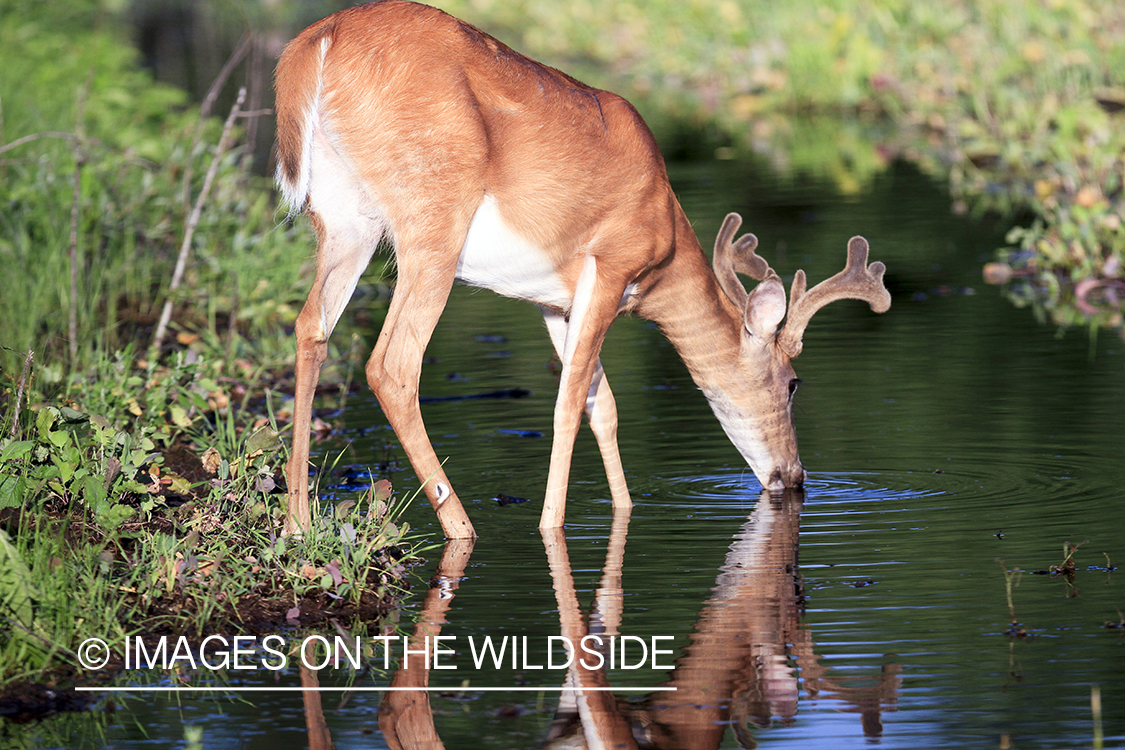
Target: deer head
point(757, 414)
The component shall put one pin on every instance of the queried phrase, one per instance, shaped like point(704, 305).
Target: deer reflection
point(737, 668)
point(405, 717)
point(320, 738)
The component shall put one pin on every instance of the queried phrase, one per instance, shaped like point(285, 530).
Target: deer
point(399, 123)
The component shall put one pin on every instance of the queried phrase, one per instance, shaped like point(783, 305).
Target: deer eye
point(793, 386)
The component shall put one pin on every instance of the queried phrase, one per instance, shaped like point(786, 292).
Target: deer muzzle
point(786, 477)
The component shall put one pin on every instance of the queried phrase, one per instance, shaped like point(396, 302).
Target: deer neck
point(685, 301)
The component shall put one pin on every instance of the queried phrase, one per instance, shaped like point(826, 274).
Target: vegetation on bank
point(1018, 106)
point(139, 475)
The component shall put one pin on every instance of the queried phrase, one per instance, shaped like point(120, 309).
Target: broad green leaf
point(12, 491)
point(265, 439)
point(44, 421)
point(16, 589)
point(16, 450)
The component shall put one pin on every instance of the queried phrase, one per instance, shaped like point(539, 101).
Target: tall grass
point(78, 108)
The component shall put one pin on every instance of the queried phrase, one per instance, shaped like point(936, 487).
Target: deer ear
point(765, 308)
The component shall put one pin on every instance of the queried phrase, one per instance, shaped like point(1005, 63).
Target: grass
point(106, 535)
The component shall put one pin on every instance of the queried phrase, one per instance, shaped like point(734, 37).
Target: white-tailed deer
point(397, 121)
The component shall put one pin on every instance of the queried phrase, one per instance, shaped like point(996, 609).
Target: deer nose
point(783, 477)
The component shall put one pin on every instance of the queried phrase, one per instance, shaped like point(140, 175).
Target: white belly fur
point(495, 257)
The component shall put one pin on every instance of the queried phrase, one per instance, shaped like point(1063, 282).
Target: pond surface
point(950, 443)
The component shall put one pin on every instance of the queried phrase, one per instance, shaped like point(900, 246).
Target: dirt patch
point(23, 702)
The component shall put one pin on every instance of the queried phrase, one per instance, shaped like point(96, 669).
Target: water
point(948, 442)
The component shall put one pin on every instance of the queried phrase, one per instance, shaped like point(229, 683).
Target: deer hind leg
point(344, 250)
point(427, 264)
point(601, 412)
point(596, 300)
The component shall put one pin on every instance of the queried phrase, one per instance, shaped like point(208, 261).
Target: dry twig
point(193, 220)
point(19, 394)
point(205, 108)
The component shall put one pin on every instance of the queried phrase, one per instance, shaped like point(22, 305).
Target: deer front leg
point(601, 412)
point(424, 281)
point(594, 308)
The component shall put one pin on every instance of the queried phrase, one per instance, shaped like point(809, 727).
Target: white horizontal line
point(295, 689)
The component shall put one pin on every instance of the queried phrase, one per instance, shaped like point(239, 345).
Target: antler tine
point(857, 281)
point(732, 258)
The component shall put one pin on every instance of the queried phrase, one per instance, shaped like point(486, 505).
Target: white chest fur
point(494, 257)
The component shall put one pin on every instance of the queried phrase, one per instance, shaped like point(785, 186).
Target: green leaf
point(265, 439)
point(12, 491)
point(16, 450)
point(72, 416)
point(16, 589)
point(114, 516)
point(44, 421)
point(180, 416)
point(66, 469)
point(94, 492)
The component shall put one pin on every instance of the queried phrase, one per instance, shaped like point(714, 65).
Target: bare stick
point(235, 58)
point(254, 76)
point(34, 137)
point(193, 220)
point(232, 322)
point(73, 253)
point(205, 108)
point(19, 393)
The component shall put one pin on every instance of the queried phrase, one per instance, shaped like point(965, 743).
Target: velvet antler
point(857, 281)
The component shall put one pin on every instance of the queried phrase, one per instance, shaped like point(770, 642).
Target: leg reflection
point(595, 715)
point(316, 725)
point(406, 718)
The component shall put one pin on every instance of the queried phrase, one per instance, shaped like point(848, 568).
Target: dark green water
point(946, 435)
